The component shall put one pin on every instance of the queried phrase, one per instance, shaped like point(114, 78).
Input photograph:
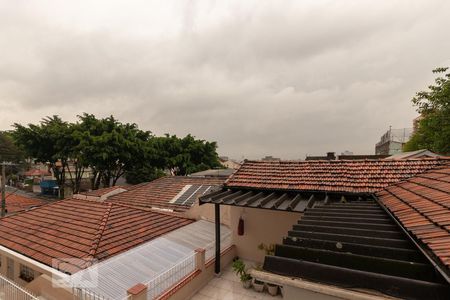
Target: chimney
point(331, 156)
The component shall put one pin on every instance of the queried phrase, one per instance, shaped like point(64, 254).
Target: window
point(26, 273)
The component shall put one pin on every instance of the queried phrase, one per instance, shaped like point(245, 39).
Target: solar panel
point(190, 193)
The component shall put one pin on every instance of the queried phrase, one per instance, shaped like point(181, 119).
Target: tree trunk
point(98, 180)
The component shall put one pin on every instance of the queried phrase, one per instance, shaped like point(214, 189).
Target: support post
point(200, 259)
point(137, 292)
point(217, 219)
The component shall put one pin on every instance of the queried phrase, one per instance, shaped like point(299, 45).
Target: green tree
point(8, 150)
point(48, 142)
point(110, 147)
point(183, 156)
point(433, 132)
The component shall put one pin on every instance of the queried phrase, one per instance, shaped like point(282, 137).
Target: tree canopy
point(433, 131)
point(111, 149)
point(9, 152)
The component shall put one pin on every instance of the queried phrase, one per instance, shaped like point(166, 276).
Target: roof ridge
point(149, 209)
point(445, 158)
point(98, 236)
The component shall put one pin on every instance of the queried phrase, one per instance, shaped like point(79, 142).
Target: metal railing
point(12, 291)
point(85, 294)
point(210, 249)
point(171, 277)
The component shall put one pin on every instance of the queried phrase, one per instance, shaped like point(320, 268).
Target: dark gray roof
point(275, 200)
point(356, 244)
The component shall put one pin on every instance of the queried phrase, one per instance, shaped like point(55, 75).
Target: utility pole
point(4, 164)
point(3, 191)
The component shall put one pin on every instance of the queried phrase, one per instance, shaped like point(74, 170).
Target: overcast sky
point(281, 78)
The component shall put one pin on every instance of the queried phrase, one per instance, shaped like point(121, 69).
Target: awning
point(275, 200)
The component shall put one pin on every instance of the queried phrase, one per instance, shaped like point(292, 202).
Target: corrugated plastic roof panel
point(113, 277)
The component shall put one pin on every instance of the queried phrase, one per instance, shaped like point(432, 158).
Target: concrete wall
point(260, 226)
point(206, 212)
point(45, 287)
point(16, 265)
point(296, 288)
point(42, 283)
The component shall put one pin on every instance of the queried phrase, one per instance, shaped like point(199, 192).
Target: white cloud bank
point(281, 78)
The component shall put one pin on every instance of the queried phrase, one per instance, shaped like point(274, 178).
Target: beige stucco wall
point(297, 288)
point(17, 262)
point(260, 226)
point(45, 287)
point(206, 212)
point(42, 275)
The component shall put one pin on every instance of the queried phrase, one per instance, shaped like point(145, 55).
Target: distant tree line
point(111, 149)
point(433, 132)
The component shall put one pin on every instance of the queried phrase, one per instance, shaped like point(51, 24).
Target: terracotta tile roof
point(74, 233)
point(37, 172)
point(353, 176)
point(16, 203)
point(160, 192)
point(422, 205)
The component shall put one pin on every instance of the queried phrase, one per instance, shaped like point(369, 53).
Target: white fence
point(172, 276)
point(11, 291)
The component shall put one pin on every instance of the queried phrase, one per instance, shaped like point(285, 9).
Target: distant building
point(329, 156)
point(349, 156)
point(423, 153)
point(229, 163)
point(270, 158)
point(362, 156)
point(392, 141)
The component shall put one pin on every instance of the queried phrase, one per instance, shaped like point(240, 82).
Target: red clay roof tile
point(422, 205)
point(160, 192)
point(355, 176)
point(83, 230)
point(16, 203)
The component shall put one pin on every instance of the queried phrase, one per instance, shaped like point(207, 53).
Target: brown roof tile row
point(354, 176)
point(16, 203)
point(82, 230)
point(422, 205)
point(160, 192)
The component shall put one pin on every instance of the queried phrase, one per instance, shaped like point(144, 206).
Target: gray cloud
point(260, 78)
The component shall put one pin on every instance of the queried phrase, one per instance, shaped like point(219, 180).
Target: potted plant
point(258, 285)
point(240, 270)
point(272, 289)
point(269, 249)
point(246, 280)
